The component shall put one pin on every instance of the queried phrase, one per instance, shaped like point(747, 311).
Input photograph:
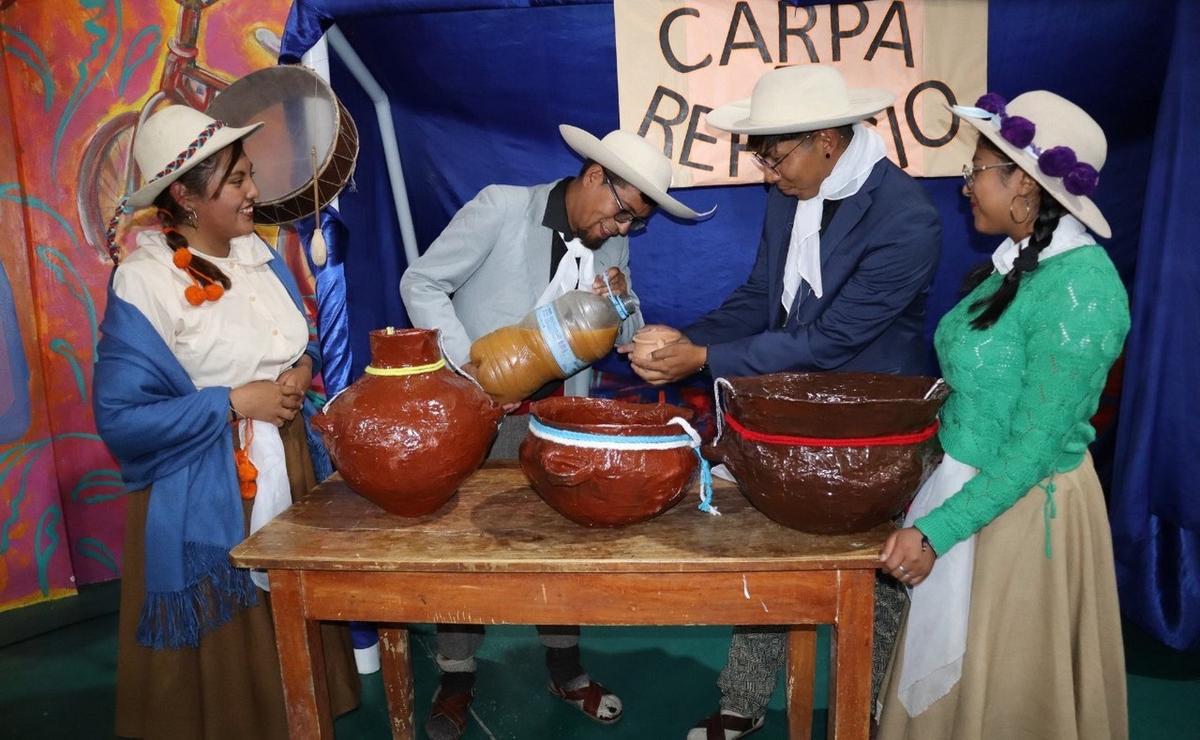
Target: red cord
point(890, 440)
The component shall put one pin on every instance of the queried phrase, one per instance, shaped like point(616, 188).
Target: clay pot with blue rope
point(408, 432)
point(603, 463)
point(828, 453)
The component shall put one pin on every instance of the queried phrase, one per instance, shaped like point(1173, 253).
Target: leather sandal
point(456, 708)
point(718, 724)
point(590, 699)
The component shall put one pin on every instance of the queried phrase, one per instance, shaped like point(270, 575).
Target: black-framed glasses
point(766, 164)
point(623, 214)
point(969, 171)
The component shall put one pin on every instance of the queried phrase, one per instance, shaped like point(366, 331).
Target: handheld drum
point(306, 151)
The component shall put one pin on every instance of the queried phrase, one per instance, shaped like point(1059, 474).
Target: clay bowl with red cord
point(829, 453)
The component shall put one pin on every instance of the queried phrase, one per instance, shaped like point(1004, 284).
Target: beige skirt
point(1044, 655)
point(229, 686)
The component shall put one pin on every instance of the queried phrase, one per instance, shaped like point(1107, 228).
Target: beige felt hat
point(634, 160)
point(790, 100)
point(1057, 124)
point(173, 141)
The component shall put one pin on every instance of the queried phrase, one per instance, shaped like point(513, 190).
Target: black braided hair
point(991, 307)
point(171, 213)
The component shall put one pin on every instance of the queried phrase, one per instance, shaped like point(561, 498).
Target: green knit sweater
point(1024, 389)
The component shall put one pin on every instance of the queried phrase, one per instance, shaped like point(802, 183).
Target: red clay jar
point(406, 442)
point(829, 488)
point(607, 487)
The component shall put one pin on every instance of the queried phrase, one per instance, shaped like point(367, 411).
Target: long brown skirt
point(229, 686)
point(1044, 653)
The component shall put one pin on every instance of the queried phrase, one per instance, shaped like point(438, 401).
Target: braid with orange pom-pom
point(204, 287)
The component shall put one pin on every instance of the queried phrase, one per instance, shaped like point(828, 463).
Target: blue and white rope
point(616, 302)
point(718, 384)
point(690, 438)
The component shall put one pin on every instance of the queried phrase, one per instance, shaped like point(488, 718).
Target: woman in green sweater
point(1013, 629)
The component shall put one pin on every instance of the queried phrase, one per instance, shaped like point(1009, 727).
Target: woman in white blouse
point(197, 654)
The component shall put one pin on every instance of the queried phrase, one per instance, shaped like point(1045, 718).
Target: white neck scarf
point(574, 269)
point(1069, 234)
point(848, 175)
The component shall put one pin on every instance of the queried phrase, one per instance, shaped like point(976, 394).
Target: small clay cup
point(650, 339)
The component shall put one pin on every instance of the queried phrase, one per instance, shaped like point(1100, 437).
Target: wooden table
point(496, 554)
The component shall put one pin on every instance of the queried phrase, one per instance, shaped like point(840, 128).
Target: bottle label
point(556, 339)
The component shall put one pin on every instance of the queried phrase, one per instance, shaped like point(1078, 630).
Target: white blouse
point(254, 332)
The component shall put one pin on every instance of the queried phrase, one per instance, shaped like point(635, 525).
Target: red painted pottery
point(407, 441)
point(607, 487)
point(829, 453)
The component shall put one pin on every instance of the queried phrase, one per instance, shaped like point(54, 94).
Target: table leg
point(802, 666)
point(301, 659)
point(850, 668)
point(397, 679)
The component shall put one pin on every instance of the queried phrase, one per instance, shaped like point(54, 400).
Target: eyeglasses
point(623, 214)
point(968, 172)
point(766, 164)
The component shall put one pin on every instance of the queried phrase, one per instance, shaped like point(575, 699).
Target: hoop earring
point(1013, 216)
point(190, 217)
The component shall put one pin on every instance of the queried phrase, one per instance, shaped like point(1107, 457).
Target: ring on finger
point(902, 569)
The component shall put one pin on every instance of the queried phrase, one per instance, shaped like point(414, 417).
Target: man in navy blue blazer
point(848, 250)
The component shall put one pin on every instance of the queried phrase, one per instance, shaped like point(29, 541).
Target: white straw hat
point(634, 160)
point(1062, 147)
point(790, 100)
point(171, 142)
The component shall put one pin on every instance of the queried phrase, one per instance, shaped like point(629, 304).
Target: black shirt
point(828, 209)
point(555, 219)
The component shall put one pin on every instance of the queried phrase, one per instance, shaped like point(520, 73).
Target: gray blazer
point(488, 268)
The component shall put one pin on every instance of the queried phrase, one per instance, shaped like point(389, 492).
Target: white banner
point(679, 59)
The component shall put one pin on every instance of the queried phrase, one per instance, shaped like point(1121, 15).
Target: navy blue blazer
point(878, 257)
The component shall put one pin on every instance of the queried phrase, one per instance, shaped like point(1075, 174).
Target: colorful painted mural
point(75, 75)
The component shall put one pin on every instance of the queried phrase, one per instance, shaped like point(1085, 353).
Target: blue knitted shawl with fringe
point(169, 436)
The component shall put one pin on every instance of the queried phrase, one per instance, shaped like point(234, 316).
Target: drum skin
point(307, 135)
point(407, 442)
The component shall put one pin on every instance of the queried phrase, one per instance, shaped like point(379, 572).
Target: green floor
point(60, 685)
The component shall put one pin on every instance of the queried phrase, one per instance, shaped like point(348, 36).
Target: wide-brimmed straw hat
point(790, 100)
point(635, 161)
point(1052, 139)
point(171, 142)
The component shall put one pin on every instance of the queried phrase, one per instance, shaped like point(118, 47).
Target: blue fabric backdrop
point(1155, 506)
point(477, 89)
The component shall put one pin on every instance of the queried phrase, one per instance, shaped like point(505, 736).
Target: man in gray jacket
point(506, 252)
